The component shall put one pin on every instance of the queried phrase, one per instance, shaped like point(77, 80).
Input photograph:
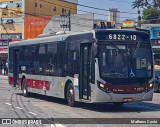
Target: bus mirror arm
point(95, 60)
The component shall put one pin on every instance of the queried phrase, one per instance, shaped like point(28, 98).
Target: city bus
point(99, 66)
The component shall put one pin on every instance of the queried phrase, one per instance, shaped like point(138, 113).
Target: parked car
point(157, 81)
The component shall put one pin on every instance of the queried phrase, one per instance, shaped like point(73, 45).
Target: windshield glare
point(124, 61)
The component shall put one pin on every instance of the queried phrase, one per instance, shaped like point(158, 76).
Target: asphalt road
point(14, 105)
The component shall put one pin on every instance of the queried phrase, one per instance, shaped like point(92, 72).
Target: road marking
point(33, 113)
point(57, 125)
point(13, 109)
point(7, 103)
point(19, 107)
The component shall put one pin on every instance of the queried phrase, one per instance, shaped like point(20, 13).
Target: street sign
point(128, 24)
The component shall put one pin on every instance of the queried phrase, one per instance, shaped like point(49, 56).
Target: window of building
point(35, 4)
point(40, 5)
point(18, 5)
point(63, 10)
point(54, 9)
point(4, 6)
point(12, 36)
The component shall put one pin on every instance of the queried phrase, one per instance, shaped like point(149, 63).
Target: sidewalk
point(2, 77)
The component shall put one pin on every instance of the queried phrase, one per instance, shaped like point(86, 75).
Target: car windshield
point(125, 61)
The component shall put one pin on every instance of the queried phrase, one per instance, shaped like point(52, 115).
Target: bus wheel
point(118, 103)
point(24, 88)
point(158, 88)
point(70, 95)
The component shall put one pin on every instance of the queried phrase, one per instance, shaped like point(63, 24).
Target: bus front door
point(15, 67)
point(85, 89)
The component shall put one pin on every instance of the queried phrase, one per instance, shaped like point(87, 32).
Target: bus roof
point(62, 37)
point(123, 30)
point(58, 37)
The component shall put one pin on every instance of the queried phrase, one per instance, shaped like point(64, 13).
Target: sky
point(122, 5)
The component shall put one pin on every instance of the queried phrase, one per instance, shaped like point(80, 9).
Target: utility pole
point(64, 23)
point(69, 16)
point(139, 17)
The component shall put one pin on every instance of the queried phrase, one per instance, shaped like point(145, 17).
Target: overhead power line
point(91, 7)
point(119, 1)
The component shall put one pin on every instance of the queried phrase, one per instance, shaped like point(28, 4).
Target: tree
point(146, 4)
point(151, 15)
point(151, 10)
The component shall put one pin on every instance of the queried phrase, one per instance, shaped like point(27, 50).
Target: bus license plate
point(127, 99)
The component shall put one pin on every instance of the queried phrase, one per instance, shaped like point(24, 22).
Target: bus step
point(84, 100)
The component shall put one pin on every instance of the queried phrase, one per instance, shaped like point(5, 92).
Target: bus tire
point(24, 88)
point(158, 88)
point(70, 95)
point(118, 104)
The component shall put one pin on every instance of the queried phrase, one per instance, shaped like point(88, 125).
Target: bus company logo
point(6, 121)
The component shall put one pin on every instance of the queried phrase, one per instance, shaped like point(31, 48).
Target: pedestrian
point(7, 67)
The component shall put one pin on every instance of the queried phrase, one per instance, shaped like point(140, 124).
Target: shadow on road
point(102, 107)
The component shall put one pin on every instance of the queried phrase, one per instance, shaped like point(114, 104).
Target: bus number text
point(122, 37)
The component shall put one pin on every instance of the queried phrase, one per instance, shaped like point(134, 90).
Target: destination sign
point(123, 36)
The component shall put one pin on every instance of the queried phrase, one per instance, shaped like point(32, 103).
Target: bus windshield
point(125, 61)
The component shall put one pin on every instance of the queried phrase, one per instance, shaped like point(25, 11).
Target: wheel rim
point(24, 88)
point(70, 95)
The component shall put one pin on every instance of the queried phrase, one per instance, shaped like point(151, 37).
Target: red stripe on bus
point(31, 83)
point(38, 84)
point(19, 81)
point(10, 80)
point(128, 89)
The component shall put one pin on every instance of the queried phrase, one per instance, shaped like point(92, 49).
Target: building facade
point(24, 19)
point(78, 22)
point(114, 15)
point(155, 40)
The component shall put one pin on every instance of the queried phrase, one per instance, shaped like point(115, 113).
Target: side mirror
point(156, 76)
point(95, 60)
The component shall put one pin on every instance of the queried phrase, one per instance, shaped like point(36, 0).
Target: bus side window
point(73, 58)
point(21, 59)
point(59, 59)
point(42, 59)
point(52, 58)
point(36, 59)
point(64, 58)
point(26, 58)
point(11, 60)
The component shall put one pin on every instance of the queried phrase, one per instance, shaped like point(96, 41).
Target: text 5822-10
point(122, 37)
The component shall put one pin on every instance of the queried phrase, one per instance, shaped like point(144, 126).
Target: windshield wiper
point(120, 51)
point(136, 50)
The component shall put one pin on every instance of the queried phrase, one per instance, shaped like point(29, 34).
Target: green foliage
point(146, 4)
point(151, 15)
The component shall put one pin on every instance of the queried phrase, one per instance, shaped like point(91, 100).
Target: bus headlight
point(103, 87)
point(148, 87)
point(151, 85)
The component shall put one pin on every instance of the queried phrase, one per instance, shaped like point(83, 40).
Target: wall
point(38, 13)
point(34, 25)
point(78, 23)
point(46, 7)
point(14, 13)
